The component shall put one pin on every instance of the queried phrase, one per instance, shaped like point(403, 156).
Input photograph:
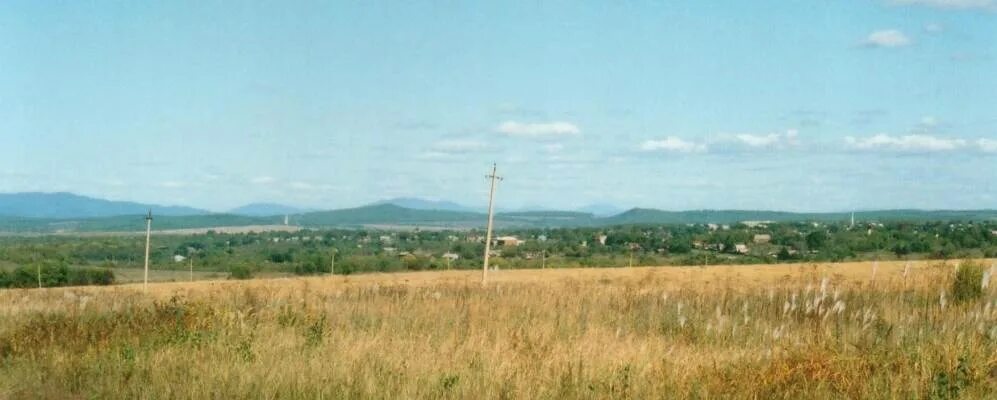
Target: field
point(853, 330)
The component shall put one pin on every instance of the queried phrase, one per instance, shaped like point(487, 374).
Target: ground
point(853, 330)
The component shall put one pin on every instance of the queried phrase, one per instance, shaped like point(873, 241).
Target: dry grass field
point(781, 331)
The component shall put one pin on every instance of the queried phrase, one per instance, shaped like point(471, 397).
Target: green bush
point(967, 283)
point(240, 272)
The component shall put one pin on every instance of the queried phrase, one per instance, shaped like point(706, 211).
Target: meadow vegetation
point(791, 331)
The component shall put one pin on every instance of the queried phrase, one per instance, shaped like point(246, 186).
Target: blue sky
point(786, 105)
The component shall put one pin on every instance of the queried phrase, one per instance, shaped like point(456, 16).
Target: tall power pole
point(148, 236)
point(488, 231)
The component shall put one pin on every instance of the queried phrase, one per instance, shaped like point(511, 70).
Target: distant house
point(762, 238)
point(741, 248)
point(179, 258)
point(511, 241)
point(451, 256)
point(601, 239)
point(475, 238)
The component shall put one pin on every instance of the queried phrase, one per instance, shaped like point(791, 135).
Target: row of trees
point(53, 275)
point(311, 252)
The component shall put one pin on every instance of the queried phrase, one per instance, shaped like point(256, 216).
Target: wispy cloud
point(907, 143)
point(987, 145)
point(538, 130)
point(553, 148)
point(262, 180)
point(460, 145)
point(173, 184)
point(886, 38)
point(672, 144)
point(952, 4)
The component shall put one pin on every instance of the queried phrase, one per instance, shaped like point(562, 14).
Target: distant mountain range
point(64, 212)
point(68, 205)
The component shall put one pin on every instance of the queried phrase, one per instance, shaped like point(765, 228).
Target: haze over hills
point(68, 205)
point(266, 209)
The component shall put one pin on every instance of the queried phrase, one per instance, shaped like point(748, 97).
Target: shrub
point(966, 285)
point(90, 276)
point(240, 272)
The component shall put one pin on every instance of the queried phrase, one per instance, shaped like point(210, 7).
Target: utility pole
point(148, 236)
point(332, 263)
point(191, 260)
point(488, 230)
point(543, 258)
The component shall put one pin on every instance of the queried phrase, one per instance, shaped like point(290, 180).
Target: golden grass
point(731, 332)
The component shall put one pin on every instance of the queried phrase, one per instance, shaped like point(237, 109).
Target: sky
point(767, 104)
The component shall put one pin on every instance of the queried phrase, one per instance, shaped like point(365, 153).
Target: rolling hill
point(423, 204)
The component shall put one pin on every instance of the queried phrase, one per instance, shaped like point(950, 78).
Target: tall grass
point(812, 335)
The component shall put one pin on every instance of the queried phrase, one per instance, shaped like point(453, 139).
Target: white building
point(741, 248)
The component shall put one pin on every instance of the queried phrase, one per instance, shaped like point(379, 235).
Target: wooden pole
point(488, 230)
point(148, 236)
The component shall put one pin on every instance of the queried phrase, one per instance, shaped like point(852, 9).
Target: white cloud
point(790, 138)
point(886, 38)
point(673, 144)
point(952, 4)
point(538, 130)
point(758, 140)
point(908, 143)
point(933, 27)
point(263, 180)
point(987, 145)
